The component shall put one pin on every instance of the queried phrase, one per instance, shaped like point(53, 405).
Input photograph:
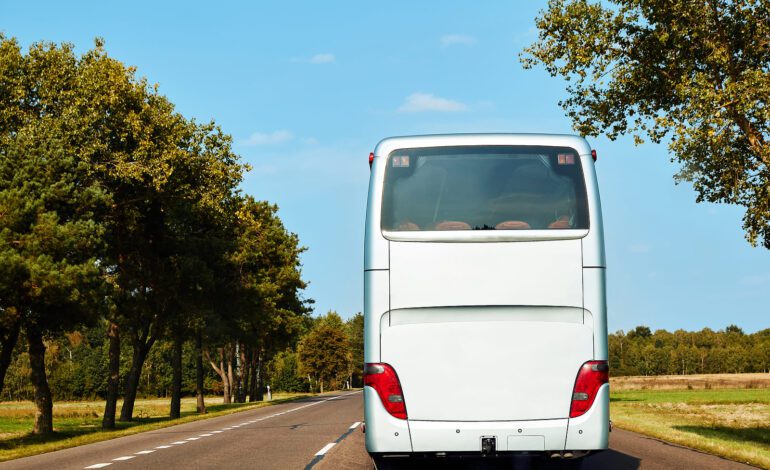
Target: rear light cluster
point(592, 376)
point(382, 378)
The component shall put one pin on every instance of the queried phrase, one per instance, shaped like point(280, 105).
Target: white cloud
point(422, 102)
point(272, 138)
point(457, 39)
point(325, 58)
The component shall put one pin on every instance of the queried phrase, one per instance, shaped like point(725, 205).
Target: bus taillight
point(592, 376)
point(382, 378)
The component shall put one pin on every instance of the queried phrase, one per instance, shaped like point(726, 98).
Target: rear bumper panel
point(388, 435)
point(384, 433)
point(591, 431)
point(462, 436)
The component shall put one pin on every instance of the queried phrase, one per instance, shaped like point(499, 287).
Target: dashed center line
point(319, 454)
point(325, 448)
point(354, 425)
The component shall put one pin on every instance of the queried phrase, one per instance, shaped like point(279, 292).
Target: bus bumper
point(388, 435)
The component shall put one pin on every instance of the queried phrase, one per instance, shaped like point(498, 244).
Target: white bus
point(484, 300)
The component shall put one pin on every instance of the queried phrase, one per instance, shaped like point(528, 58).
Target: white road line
point(354, 425)
point(142, 452)
point(325, 449)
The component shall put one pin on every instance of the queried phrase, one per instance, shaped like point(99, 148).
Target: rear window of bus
point(484, 188)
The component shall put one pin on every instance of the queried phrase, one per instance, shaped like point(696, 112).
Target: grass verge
point(79, 423)
point(732, 423)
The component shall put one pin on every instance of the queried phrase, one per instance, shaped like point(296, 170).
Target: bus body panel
point(595, 301)
point(486, 329)
point(496, 370)
point(454, 274)
point(591, 431)
point(384, 433)
point(593, 243)
point(376, 304)
point(375, 244)
point(443, 436)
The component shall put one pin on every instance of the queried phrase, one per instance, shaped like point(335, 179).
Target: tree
point(355, 327)
point(694, 73)
point(51, 255)
point(324, 351)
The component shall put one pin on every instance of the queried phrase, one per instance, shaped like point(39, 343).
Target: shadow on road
point(759, 435)
point(611, 459)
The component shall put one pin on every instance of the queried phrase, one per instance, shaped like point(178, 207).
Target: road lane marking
point(354, 425)
point(319, 455)
point(325, 448)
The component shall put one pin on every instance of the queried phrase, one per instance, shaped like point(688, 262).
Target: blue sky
point(307, 89)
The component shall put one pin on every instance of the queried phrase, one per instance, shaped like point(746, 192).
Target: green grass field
point(78, 423)
point(733, 423)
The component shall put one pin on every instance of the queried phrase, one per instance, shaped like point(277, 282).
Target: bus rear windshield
point(484, 188)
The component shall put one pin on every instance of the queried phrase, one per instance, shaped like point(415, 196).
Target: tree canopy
point(119, 213)
point(695, 74)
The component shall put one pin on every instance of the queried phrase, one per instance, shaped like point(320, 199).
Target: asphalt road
point(318, 433)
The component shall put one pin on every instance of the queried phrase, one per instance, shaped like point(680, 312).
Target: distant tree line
point(643, 352)
point(76, 364)
point(129, 260)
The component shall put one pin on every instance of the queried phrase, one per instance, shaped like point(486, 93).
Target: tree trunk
point(176, 378)
point(43, 403)
point(254, 379)
point(230, 376)
point(258, 385)
point(248, 377)
point(8, 342)
point(222, 372)
point(113, 381)
point(321, 382)
point(201, 404)
point(141, 348)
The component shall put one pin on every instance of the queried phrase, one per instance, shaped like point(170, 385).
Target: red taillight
point(371, 159)
point(592, 376)
point(593, 154)
point(384, 380)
